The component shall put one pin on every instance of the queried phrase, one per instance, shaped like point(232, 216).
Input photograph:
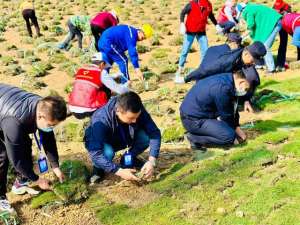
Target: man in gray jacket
point(21, 114)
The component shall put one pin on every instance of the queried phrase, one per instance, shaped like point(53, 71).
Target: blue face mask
point(47, 129)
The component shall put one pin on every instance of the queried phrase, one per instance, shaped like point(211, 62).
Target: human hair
point(53, 107)
point(129, 102)
point(239, 74)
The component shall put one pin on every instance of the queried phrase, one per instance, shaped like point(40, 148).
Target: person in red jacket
point(196, 13)
point(283, 8)
point(93, 87)
point(227, 16)
point(101, 22)
point(291, 25)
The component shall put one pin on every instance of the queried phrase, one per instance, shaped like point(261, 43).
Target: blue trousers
point(296, 37)
point(227, 26)
point(187, 44)
point(140, 144)
point(114, 55)
point(209, 132)
point(269, 60)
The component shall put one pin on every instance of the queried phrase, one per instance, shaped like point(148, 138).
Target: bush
point(142, 49)
point(40, 69)
point(14, 70)
point(173, 133)
point(8, 60)
point(177, 41)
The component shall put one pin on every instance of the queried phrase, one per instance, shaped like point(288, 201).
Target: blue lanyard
point(39, 143)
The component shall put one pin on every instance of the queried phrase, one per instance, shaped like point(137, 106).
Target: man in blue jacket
point(210, 114)
point(229, 61)
point(116, 40)
point(223, 59)
point(122, 124)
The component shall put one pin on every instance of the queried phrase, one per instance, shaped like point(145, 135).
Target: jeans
point(296, 37)
point(73, 31)
point(269, 60)
point(187, 44)
point(140, 144)
point(227, 26)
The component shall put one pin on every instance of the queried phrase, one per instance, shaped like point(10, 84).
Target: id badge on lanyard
point(42, 160)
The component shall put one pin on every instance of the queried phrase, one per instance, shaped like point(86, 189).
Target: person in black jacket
point(210, 114)
point(21, 114)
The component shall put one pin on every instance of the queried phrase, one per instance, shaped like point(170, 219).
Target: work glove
point(182, 29)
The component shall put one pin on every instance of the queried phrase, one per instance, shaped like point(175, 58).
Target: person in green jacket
point(79, 26)
point(263, 24)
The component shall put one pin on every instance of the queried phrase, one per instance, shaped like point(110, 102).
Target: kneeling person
point(210, 114)
point(122, 124)
point(93, 87)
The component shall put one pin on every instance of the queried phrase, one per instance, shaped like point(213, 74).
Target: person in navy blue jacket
point(116, 40)
point(223, 59)
point(210, 114)
point(122, 124)
point(229, 61)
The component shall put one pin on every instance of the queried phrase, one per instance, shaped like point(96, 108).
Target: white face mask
point(240, 93)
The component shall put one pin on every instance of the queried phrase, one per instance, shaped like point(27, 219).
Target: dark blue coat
point(218, 59)
point(106, 128)
point(221, 59)
point(211, 98)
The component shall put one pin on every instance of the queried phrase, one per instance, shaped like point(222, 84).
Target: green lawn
point(256, 183)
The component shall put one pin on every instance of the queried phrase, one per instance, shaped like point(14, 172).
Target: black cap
point(258, 51)
point(234, 37)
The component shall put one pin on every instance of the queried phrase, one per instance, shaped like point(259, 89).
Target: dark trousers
point(73, 31)
point(3, 167)
point(227, 26)
point(298, 54)
point(96, 31)
point(29, 14)
point(208, 132)
point(281, 56)
point(4, 163)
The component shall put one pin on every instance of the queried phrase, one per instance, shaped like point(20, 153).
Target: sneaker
point(270, 72)
point(195, 146)
point(61, 46)
point(97, 175)
point(281, 69)
point(21, 187)
point(179, 80)
point(5, 206)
